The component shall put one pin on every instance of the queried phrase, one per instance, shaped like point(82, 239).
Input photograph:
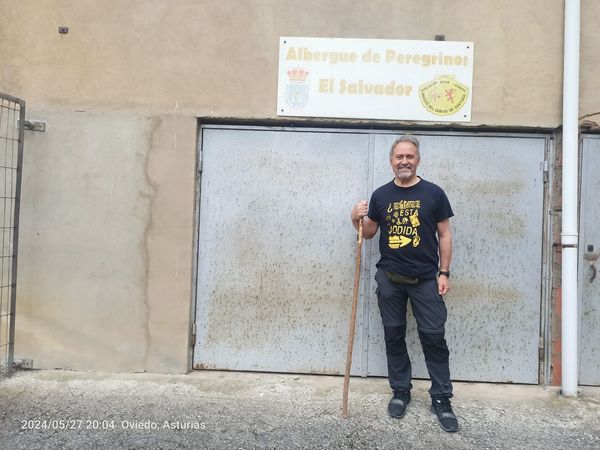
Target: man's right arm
point(360, 211)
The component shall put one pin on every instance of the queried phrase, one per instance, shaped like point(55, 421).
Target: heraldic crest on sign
point(297, 87)
point(444, 95)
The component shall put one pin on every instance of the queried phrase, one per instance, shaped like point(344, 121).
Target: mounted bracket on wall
point(34, 125)
point(23, 364)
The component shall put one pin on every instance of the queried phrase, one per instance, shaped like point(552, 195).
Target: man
point(410, 212)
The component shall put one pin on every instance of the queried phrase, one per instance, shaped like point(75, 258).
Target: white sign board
point(375, 79)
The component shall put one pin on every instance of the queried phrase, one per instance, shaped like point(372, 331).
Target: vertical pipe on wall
point(569, 234)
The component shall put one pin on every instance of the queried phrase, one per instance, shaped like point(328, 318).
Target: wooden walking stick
point(352, 320)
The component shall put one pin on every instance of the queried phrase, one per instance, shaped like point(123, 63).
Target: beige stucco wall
point(219, 58)
point(106, 250)
point(106, 242)
point(589, 97)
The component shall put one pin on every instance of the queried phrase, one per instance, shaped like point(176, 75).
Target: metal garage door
point(589, 282)
point(276, 250)
point(495, 186)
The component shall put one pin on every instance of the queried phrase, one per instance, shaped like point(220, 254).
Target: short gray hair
point(406, 138)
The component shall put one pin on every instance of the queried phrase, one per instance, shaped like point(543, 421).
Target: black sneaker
point(443, 410)
point(398, 404)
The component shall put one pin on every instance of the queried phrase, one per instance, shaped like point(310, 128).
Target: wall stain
point(150, 195)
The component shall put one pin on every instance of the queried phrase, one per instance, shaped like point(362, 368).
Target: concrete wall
point(589, 94)
point(106, 242)
point(106, 252)
point(219, 58)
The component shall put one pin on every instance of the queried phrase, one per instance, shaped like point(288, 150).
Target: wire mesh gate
point(12, 122)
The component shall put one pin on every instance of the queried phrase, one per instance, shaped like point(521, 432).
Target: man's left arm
point(445, 244)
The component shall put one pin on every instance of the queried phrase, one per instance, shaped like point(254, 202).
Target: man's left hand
point(443, 284)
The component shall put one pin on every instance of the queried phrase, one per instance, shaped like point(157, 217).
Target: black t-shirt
point(408, 219)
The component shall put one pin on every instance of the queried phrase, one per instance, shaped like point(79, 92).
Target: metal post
point(15, 240)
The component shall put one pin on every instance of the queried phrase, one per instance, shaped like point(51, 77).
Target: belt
point(401, 279)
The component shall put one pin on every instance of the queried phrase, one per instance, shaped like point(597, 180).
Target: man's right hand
point(359, 211)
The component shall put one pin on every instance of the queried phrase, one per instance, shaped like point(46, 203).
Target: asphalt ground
point(233, 410)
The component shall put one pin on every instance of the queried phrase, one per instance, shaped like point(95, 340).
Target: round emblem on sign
point(443, 96)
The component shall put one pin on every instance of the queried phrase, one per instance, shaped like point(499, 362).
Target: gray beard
point(404, 175)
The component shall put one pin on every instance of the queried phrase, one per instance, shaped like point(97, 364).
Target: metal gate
point(496, 187)
point(275, 265)
point(12, 122)
point(589, 282)
point(275, 252)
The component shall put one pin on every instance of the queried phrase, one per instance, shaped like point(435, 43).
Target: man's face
point(405, 160)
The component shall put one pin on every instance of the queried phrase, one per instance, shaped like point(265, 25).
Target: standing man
point(413, 215)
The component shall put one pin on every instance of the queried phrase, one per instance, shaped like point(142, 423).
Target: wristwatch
point(444, 272)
